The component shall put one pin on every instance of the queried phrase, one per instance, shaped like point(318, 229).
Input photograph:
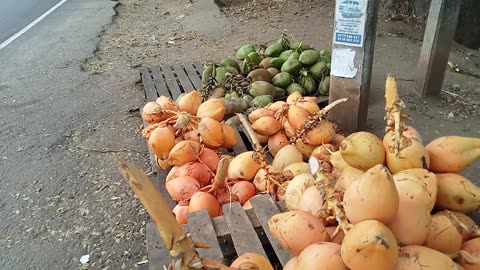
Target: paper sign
point(343, 63)
point(350, 22)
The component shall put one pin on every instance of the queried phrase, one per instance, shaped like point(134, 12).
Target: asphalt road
point(16, 14)
point(48, 104)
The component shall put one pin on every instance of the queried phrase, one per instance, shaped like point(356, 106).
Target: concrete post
point(352, 59)
point(437, 40)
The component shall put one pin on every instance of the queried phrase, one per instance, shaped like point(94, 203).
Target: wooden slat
point(193, 76)
point(243, 234)
point(282, 206)
point(265, 208)
point(148, 85)
point(199, 67)
point(158, 255)
point(240, 147)
point(201, 230)
point(171, 81)
point(159, 82)
point(183, 78)
point(155, 169)
point(220, 226)
point(162, 175)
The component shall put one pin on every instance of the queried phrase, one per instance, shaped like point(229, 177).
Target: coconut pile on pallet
point(358, 202)
point(260, 75)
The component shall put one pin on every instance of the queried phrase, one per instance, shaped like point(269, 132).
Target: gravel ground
point(154, 32)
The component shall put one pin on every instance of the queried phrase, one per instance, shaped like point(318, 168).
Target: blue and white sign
point(350, 22)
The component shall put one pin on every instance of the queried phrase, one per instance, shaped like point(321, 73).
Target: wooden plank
point(155, 170)
point(240, 147)
point(148, 85)
point(282, 206)
point(220, 226)
point(352, 60)
point(160, 85)
point(193, 76)
point(265, 208)
point(158, 255)
point(243, 234)
point(437, 41)
point(202, 231)
point(183, 78)
point(162, 176)
point(171, 81)
point(199, 67)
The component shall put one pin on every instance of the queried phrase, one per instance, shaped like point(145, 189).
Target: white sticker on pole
point(350, 22)
point(343, 63)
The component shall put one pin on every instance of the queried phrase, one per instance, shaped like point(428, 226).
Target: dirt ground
point(155, 32)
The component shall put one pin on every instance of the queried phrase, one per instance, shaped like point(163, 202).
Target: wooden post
point(437, 40)
point(352, 59)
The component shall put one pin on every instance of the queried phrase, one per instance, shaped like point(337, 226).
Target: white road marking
point(26, 28)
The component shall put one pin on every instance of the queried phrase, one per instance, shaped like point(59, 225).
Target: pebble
point(451, 115)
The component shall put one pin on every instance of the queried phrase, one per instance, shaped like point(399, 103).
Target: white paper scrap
point(343, 63)
point(85, 259)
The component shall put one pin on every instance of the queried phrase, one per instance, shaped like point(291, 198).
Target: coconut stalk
point(314, 120)
point(467, 257)
point(181, 247)
point(394, 116)
point(331, 196)
point(219, 188)
point(473, 231)
point(276, 178)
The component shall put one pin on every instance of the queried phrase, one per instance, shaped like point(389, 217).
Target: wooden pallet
point(236, 232)
point(171, 81)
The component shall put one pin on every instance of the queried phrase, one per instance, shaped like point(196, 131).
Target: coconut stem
point(398, 132)
point(394, 116)
point(249, 130)
point(467, 257)
point(336, 232)
point(473, 231)
point(259, 153)
point(391, 94)
point(331, 196)
point(181, 247)
point(222, 171)
point(314, 120)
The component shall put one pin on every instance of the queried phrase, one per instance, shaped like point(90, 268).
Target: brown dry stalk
point(260, 156)
point(314, 120)
point(331, 196)
point(180, 121)
point(473, 231)
point(180, 246)
point(391, 94)
point(395, 118)
point(467, 257)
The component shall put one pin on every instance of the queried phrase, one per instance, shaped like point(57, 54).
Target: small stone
point(451, 115)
